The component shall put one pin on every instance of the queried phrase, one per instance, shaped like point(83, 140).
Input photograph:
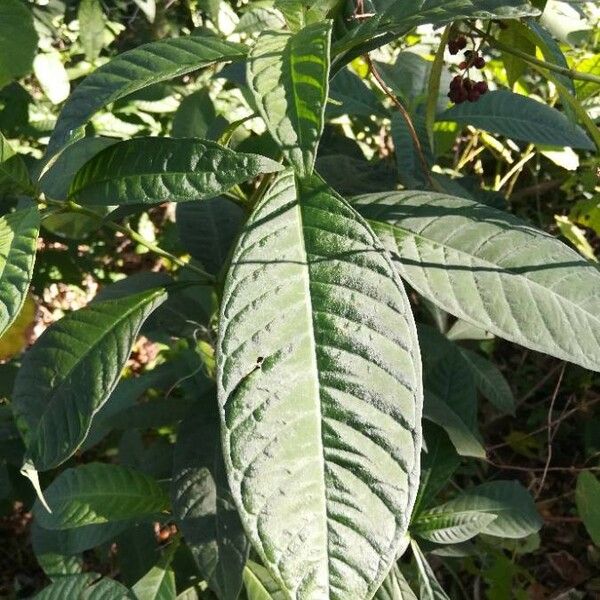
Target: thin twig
point(570, 73)
point(406, 116)
point(550, 431)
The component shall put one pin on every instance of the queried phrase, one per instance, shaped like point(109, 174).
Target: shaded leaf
point(520, 118)
point(91, 28)
point(14, 176)
point(66, 377)
point(586, 497)
point(395, 587)
point(97, 493)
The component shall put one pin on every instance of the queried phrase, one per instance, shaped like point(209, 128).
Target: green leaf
point(208, 230)
point(430, 589)
point(442, 526)
point(288, 75)
point(18, 40)
point(519, 118)
point(159, 582)
point(107, 589)
point(14, 177)
point(52, 76)
point(442, 414)
point(512, 505)
point(490, 381)
point(513, 36)
point(494, 271)
point(91, 28)
point(588, 507)
point(67, 587)
point(349, 95)
point(153, 170)
point(135, 70)
point(18, 238)
point(194, 116)
point(395, 587)
point(260, 585)
point(202, 504)
point(97, 493)
point(319, 387)
point(70, 372)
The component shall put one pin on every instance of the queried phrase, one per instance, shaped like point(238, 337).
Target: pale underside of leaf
point(288, 75)
point(18, 238)
point(493, 270)
point(452, 527)
point(132, 71)
point(71, 371)
point(319, 387)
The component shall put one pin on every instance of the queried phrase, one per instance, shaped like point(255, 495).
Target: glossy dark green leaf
point(70, 372)
point(97, 493)
point(288, 75)
point(154, 170)
point(519, 118)
point(18, 40)
point(208, 230)
point(135, 70)
point(319, 387)
point(494, 271)
point(202, 504)
point(18, 238)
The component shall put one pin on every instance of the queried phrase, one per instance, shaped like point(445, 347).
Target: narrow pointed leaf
point(520, 118)
point(203, 507)
point(98, 493)
point(70, 372)
point(18, 238)
point(430, 588)
point(494, 271)
point(154, 170)
point(288, 75)
point(319, 387)
point(135, 70)
point(450, 527)
point(395, 587)
point(159, 582)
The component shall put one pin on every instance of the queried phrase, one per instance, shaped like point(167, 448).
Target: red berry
point(473, 96)
point(481, 87)
point(463, 65)
point(479, 62)
point(461, 42)
point(461, 96)
point(468, 84)
point(456, 83)
point(452, 48)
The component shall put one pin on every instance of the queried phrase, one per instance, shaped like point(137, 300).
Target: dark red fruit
point(461, 42)
point(468, 85)
point(463, 65)
point(481, 87)
point(473, 96)
point(456, 83)
point(479, 62)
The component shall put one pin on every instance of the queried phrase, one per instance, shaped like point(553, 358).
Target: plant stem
point(570, 73)
point(131, 234)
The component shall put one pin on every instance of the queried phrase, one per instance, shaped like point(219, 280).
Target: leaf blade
point(300, 219)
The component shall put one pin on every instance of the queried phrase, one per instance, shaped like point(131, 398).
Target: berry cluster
point(463, 89)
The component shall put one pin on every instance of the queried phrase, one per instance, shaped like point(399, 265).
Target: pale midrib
point(315, 368)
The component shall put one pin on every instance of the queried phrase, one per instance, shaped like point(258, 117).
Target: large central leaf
point(320, 394)
point(494, 271)
point(288, 76)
